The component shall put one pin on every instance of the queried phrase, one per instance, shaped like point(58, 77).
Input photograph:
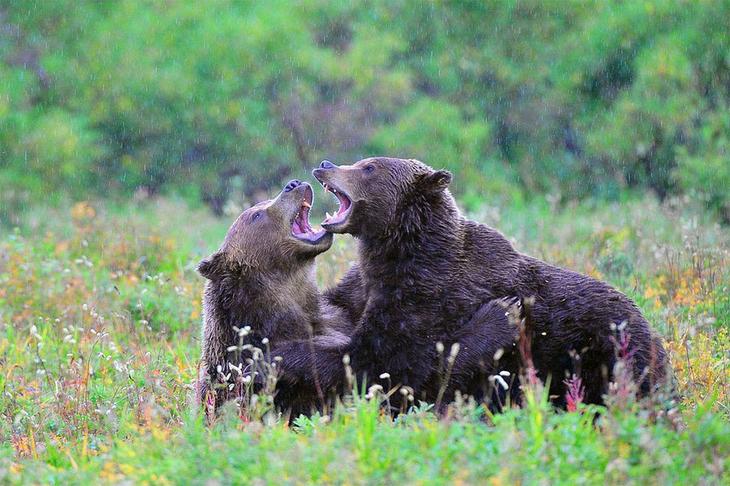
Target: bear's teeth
point(328, 215)
point(306, 204)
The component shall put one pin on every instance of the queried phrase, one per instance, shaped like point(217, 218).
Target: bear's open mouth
point(300, 227)
point(342, 212)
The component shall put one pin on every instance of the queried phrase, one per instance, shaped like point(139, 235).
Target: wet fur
point(263, 279)
point(280, 307)
point(423, 267)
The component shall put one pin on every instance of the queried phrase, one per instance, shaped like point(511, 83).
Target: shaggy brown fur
point(263, 277)
point(424, 266)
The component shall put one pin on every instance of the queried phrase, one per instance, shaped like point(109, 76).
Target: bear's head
point(272, 235)
point(379, 193)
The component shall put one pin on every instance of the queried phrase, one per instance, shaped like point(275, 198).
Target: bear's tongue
point(300, 226)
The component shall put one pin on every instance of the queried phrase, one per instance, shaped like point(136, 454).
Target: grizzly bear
point(423, 267)
point(262, 280)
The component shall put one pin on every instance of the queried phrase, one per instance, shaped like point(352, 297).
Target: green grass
point(99, 341)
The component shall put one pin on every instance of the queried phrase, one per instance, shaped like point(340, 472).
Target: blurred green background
point(218, 101)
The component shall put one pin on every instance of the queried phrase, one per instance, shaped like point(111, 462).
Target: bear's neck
point(262, 300)
point(422, 244)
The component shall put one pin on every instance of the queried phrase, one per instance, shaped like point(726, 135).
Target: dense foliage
point(215, 99)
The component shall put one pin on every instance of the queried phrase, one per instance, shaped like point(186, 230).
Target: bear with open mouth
point(405, 314)
point(424, 268)
point(262, 280)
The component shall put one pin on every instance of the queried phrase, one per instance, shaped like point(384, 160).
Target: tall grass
point(99, 341)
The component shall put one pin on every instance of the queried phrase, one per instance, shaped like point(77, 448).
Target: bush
point(230, 99)
point(705, 168)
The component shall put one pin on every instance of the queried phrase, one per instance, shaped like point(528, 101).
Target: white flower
point(499, 380)
point(34, 332)
point(439, 347)
point(373, 390)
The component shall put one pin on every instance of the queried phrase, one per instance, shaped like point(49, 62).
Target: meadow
point(100, 334)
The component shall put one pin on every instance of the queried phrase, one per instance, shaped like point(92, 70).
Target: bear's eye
point(256, 216)
point(369, 169)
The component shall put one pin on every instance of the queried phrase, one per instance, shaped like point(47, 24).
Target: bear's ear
point(437, 180)
point(213, 267)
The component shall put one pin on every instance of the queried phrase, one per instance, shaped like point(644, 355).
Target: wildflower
point(499, 380)
point(245, 331)
point(453, 352)
point(439, 347)
point(34, 332)
point(375, 388)
point(574, 394)
point(372, 391)
point(346, 359)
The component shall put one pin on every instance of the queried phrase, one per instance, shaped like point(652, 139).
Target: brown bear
point(261, 281)
point(423, 267)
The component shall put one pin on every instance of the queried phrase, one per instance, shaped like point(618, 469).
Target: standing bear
point(424, 267)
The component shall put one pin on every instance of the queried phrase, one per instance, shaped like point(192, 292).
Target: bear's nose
point(326, 164)
point(292, 184)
